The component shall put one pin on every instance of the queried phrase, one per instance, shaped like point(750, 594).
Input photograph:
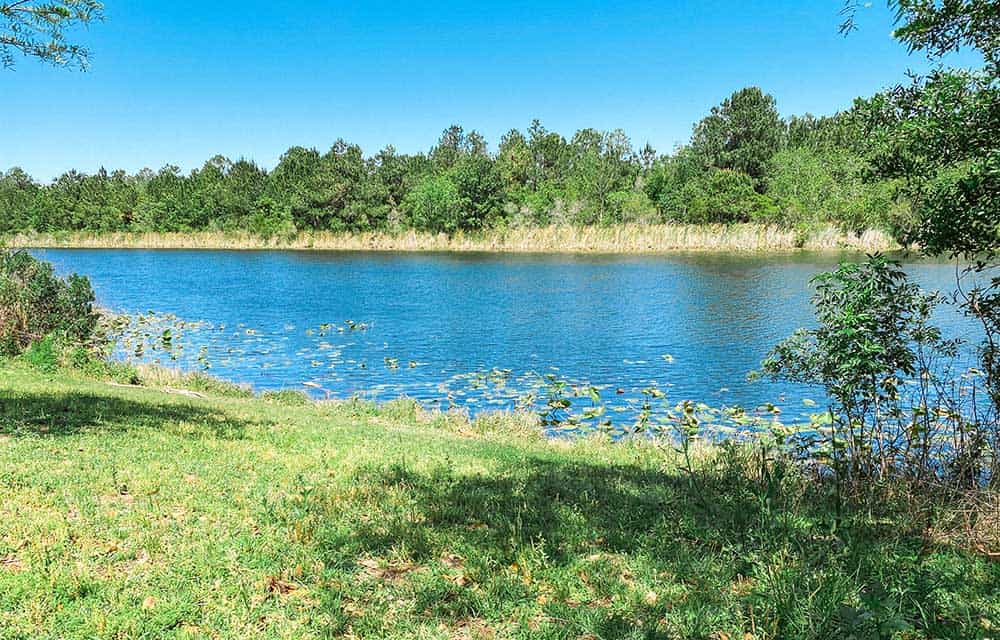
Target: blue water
point(607, 321)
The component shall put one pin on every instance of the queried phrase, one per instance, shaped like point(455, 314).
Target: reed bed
point(624, 239)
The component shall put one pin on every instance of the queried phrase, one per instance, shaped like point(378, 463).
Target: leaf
point(275, 584)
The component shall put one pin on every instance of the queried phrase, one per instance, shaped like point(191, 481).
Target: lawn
point(136, 513)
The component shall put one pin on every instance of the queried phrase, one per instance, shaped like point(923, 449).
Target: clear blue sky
point(177, 82)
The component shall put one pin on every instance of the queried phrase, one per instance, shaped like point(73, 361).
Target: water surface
point(434, 319)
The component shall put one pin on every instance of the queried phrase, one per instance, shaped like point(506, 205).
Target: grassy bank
point(632, 239)
point(130, 513)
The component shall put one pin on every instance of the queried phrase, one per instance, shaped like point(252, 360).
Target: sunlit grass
point(130, 512)
point(629, 238)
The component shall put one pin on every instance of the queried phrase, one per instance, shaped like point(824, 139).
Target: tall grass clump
point(151, 375)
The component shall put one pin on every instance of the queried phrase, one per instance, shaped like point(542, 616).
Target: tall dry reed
point(626, 239)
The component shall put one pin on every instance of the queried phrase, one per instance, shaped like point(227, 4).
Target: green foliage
point(960, 207)
point(743, 133)
point(35, 303)
point(480, 191)
point(938, 28)
point(271, 218)
point(435, 204)
point(17, 194)
point(601, 165)
point(723, 196)
point(633, 207)
point(666, 179)
point(880, 361)
point(39, 29)
point(868, 315)
point(43, 354)
point(939, 136)
point(829, 185)
point(534, 178)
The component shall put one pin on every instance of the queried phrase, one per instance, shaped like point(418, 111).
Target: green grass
point(133, 513)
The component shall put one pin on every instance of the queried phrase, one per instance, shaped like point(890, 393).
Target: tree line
point(743, 163)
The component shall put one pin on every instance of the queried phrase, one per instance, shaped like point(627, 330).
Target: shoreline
point(158, 509)
point(620, 239)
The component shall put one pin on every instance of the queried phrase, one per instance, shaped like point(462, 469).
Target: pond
point(480, 331)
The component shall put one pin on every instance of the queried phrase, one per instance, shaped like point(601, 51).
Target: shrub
point(634, 207)
point(435, 205)
point(542, 201)
point(884, 368)
point(271, 219)
point(723, 196)
point(829, 186)
point(43, 354)
point(35, 303)
point(665, 182)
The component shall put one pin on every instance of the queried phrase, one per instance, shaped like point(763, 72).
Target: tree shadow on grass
point(69, 413)
point(739, 557)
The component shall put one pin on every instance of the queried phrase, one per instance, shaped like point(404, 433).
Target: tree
point(937, 28)
point(17, 194)
point(600, 165)
point(164, 202)
point(36, 303)
point(455, 144)
point(723, 196)
point(827, 184)
point(292, 186)
point(480, 190)
point(743, 133)
point(514, 163)
point(549, 152)
point(39, 30)
point(939, 135)
point(666, 180)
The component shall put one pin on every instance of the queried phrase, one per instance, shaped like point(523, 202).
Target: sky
point(178, 82)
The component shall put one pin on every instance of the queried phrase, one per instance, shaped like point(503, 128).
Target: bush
point(894, 410)
point(633, 207)
point(723, 196)
point(828, 186)
point(35, 303)
point(271, 219)
point(542, 201)
point(43, 355)
point(435, 205)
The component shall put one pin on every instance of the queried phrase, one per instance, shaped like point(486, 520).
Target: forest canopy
point(743, 163)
